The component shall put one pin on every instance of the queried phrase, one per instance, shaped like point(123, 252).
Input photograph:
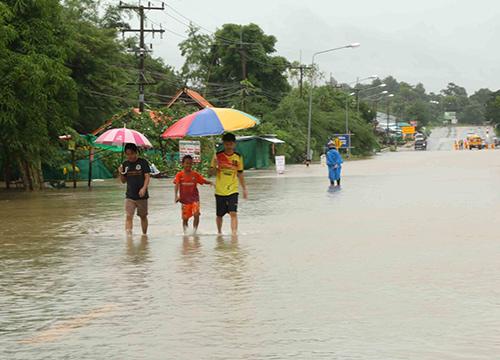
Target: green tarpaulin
point(256, 150)
point(99, 171)
point(91, 139)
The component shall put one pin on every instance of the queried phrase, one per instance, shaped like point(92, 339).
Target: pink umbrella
point(122, 136)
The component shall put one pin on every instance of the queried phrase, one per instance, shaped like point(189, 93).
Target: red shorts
point(189, 210)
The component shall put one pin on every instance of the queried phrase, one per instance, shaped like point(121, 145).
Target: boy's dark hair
point(131, 147)
point(228, 137)
point(186, 157)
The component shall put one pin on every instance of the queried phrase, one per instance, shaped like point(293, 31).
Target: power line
point(229, 41)
point(142, 47)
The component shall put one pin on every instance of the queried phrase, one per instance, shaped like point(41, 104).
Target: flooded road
point(402, 263)
point(443, 138)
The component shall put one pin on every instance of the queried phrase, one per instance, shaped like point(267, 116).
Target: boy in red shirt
point(186, 192)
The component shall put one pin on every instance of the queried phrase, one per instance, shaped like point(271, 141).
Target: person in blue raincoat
point(334, 162)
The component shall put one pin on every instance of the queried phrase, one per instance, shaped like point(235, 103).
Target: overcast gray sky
point(428, 41)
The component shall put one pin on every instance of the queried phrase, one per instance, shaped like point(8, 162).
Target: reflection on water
point(137, 251)
point(191, 245)
point(402, 263)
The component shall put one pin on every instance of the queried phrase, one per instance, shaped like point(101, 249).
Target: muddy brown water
point(402, 263)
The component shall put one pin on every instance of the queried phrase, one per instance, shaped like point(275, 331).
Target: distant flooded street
point(402, 263)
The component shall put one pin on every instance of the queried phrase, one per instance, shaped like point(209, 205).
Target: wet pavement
point(402, 263)
point(443, 138)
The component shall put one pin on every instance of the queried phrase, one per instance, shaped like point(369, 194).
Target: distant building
point(384, 123)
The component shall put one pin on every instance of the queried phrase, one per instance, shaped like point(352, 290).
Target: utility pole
point(302, 68)
point(348, 133)
point(243, 59)
point(387, 113)
point(142, 82)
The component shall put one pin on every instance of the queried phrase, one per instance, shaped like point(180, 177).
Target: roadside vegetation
point(65, 69)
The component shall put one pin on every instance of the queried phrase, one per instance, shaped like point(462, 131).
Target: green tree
point(493, 109)
point(288, 121)
point(38, 97)
point(475, 111)
point(237, 67)
point(455, 98)
point(196, 52)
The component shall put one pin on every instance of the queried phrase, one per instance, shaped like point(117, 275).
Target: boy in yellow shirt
point(227, 165)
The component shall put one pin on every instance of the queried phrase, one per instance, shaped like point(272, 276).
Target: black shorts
point(226, 204)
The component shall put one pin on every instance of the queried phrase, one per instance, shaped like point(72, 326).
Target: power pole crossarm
point(135, 7)
point(301, 69)
point(142, 46)
point(143, 30)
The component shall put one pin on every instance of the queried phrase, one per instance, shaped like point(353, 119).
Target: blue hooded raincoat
point(334, 162)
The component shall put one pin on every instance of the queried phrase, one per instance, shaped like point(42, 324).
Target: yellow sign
point(408, 130)
point(338, 143)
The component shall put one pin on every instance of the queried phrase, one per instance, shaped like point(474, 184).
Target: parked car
point(421, 144)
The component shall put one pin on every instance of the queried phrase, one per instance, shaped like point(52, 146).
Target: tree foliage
point(38, 97)
point(236, 67)
point(65, 69)
point(62, 67)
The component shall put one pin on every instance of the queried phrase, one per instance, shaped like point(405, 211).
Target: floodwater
point(402, 263)
point(444, 138)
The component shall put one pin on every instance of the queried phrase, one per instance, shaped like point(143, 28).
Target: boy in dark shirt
point(135, 171)
point(186, 192)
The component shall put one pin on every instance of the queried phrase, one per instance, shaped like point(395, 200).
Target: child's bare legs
point(196, 222)
point(234, 222)
point(218, 221)
point(185, 224)
point(144, 224)
point(129, 224)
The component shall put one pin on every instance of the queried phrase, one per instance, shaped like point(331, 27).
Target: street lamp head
point(390, 95)
point(384, 92)
point(354, 45)
point(373, 77)
point(383, 85)
point(352, 94)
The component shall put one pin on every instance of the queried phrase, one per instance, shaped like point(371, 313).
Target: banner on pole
point(280, 164)
point(192, 148)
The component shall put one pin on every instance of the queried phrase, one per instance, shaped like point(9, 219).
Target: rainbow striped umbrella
point(210, 121)
point(122, 136)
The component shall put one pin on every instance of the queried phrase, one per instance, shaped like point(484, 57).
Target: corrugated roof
point(273, 140)
point(155, 117)
point(193, 95)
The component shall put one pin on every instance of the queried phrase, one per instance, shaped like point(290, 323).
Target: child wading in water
point(186, 192)
point(228, 166)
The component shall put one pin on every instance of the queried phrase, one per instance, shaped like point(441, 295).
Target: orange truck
point(475, 141)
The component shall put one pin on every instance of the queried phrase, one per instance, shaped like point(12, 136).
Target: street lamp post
point(358, 80)
point(359, 91)
point(347, 123)
point(388, 115)
point(309, 120)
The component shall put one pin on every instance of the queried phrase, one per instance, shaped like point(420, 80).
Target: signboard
point(414, 123)
point(408, 130)
point(280, 164)
point(342, 141)
point(192, 148)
